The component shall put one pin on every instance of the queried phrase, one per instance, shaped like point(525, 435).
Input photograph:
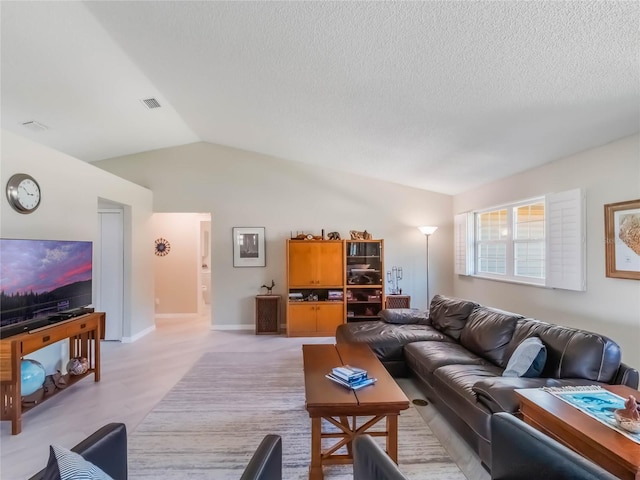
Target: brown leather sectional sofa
point(458, 351)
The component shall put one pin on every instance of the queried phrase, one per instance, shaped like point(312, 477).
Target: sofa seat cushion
point(449, 315)
point(426, 357)
point(387, 340)
point(488, 333)
point(454, 385)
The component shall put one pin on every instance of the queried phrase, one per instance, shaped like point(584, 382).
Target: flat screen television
point(42, 282)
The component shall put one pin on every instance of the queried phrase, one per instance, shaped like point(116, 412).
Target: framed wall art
point(622, 239)
point(249, 247)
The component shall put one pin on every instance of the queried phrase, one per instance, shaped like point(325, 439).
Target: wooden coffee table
point(334, 403)
point(578, 431)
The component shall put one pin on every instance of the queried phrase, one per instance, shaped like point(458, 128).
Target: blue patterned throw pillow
point(67, 465)
point(527, 360)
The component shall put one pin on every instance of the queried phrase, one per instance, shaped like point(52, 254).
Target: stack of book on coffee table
point(350, 377)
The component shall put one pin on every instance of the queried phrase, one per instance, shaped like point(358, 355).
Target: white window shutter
point(463, 243)
point(565, 239)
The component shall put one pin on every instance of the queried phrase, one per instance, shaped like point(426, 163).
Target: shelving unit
point(330, 282)
point(364, 279)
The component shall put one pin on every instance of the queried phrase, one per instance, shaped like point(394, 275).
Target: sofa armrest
point(497, 393)
point(626, 376)
point(266, 462)
point(105, 448)
point(371, 462)
point(520, 452)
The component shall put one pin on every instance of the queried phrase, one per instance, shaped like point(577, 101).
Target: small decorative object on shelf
point(333, 236)
point(393, 277)
point(306, 236)
point(77, 366)
point(350, 377)
point(32, 375)
point(269, 288)
point(356, 235)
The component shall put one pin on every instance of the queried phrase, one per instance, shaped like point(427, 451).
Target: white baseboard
point(139, 335)
point(174, 315)
point(234, 327)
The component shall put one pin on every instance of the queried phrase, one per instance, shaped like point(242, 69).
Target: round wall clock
point(23, 193)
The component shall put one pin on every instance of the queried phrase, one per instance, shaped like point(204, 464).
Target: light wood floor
point(136, 376)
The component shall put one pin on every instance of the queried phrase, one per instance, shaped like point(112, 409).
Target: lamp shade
point(427, 230)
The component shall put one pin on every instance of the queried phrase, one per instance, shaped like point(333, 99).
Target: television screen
point(39, 279)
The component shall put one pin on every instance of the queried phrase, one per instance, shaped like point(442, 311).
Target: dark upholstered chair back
point(266, 462)
point(520, 452)
point(371, 462)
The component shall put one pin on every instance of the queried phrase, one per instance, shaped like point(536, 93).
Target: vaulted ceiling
point(439, 95)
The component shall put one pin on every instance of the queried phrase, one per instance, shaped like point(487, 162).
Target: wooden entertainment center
point(84, 334)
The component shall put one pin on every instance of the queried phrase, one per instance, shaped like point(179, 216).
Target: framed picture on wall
point(622, 239)
point(249, 247)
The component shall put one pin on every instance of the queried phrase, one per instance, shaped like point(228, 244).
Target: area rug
point(210, 423)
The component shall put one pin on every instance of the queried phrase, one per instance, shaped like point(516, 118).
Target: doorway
point(182, 271)
point(110, 257)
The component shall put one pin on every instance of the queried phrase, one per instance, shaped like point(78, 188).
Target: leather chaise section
point(387, 340)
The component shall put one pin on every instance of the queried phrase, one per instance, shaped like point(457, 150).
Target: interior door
point(111, 271)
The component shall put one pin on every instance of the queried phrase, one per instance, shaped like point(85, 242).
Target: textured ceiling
point(443, 96)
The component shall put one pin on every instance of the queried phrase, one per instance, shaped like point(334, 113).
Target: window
point(510, 242)
point(539, 241)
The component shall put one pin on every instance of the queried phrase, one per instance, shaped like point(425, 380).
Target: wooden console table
point(84, 334)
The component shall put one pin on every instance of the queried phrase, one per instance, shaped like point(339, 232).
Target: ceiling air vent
point(34, 126)
point(151, 103)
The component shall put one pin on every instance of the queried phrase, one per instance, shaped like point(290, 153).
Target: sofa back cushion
point(488, 332)
point(404, 315)
point(449, 315)
point(572, 353)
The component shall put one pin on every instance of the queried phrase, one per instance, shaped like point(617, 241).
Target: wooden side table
point(267, 314)
point(398, 301)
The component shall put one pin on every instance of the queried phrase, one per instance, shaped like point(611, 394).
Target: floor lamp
point(427, 232)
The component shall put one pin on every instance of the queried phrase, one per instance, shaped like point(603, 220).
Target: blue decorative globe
point(32, 376)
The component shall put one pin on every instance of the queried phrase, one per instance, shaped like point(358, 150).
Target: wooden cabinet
point(398, 301)
point(267, 314)
point(315, 263)
point(364, 289)
point(315, 286)
point(314, 318)
point(333, 281)
point(84, 334)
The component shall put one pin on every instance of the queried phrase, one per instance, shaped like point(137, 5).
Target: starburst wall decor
point(162, 247)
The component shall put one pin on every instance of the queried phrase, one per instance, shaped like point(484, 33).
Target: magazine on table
point(352, 385)
point(349, 373)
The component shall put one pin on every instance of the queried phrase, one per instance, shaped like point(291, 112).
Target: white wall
point(68, 211)
point(245, 189)
point(177, 273)
point(610, 306)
